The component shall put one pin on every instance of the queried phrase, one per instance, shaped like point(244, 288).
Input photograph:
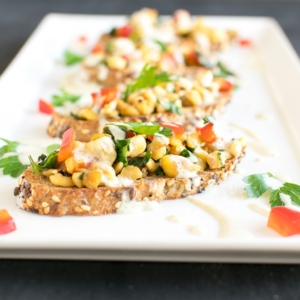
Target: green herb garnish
point(149, 128)
point(9, 147)
point(171, 106)
point(160, 171)
point(11, 164)
point(223, 71)
point(148, 77)
point(209, 119)
point(139, 161)
point(258, 184)
point(59, 100)
point(109, 47)
point(44, 162)
point(72, 58)
point(185, 153)
point(77, 117)
point(188, 154)
point(219, 153)
point(52, 148)
point(122, 146)
point(163, 46)
point(191, 149)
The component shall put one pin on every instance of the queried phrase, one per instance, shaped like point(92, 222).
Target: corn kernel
point(192, 98)
point(175, 142)
point(236, 148)
point(87, 113)
point(158, 153)
point(137, 146)
point(103, 148)
point(118, 167)
point(200, 153)
point(116, 62)
point(92, 179)
point(126, 109)
point(159, 141)
point(176, 150)
point(152, 165)
point(169, 166)
point(76, 179)
point(97, 136)
point(70, 165)
point(60, 180)
point(217, 159)
point(193, 139)
point(131, 172)
point(243, 141)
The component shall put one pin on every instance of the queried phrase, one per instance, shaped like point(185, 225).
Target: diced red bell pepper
point(245, 42)
point(284, 220)
point(124, 31)
point(130, 134)
point(105, 96)
point(67, 145)
point(150, 137)
point(45, 107)
point(224, 85)
point(169, 59)
point(97, 49)
point(207, 133)
point(177, 128)
point(7, 223)
point(192, 59)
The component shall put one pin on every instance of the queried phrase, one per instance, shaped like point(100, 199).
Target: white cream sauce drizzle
point(184, 166)
point(228, 227)
point(262, 210)
point(286, 199)
point(34, 148)
point(259, 159)
point(247, 131)
point(239, 170)
point(265, 116)
point(118, 133)
point(131, 206)
point(173, 218)
point(273, 182)
point(262, 149)
point(78, 83)
point(194, 230)
point(282, 176)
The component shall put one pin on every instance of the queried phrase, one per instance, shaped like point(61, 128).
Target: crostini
point(127, 162)
point(153, 96)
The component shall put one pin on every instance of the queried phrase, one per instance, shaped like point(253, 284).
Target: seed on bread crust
point(55, 199)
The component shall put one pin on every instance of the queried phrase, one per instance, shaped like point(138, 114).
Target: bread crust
point(84, 130)
point(36, 193)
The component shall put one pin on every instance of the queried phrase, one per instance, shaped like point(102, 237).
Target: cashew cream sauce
point(228, 227)
point(131, 206)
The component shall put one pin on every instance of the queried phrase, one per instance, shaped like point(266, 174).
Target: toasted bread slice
point(85, 129)
point(36, 193)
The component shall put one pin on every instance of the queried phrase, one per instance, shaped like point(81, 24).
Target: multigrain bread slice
point(86, 129)
point(36, 193)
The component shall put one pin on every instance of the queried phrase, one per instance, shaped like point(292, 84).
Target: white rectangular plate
point(269, 75)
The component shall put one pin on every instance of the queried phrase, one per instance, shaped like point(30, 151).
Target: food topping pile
point(126, 152)
point(152, 93)
point(146, 39)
